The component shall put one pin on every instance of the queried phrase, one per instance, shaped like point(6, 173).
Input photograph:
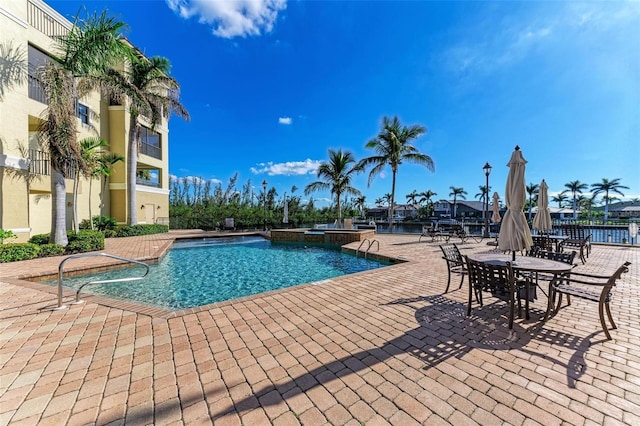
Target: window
point(83, 113)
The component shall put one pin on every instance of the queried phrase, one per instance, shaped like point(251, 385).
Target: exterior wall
point(25, 199)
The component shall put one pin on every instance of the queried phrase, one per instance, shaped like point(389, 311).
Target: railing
point(77, 256)
point(42, 21)
point(40, 164)
point(35, 90)
point(141, 181)
point(371, 242)
point(151, 150)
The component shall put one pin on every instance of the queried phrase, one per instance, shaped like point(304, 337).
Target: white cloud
point(289, 168)
point(284, 120)
point(231, 18)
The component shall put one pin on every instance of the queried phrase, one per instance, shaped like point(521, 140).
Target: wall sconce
point(158, 207)
point(142, 207)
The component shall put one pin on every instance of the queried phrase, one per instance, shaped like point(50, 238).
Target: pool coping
point(33, 281)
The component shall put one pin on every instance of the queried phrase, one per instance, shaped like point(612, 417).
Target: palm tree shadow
point(444, 331)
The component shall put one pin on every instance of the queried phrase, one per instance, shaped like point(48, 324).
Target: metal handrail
point(361, 244)
point(112, 256)
point(368, 247)
point(371, 245)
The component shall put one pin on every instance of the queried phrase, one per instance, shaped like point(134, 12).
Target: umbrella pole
point(513, 255)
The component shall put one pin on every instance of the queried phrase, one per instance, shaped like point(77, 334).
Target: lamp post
point(487, 170)
point(264, 200)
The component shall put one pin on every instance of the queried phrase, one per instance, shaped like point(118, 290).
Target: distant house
point(400, 213)
point(464, 209)
point(623, 209)
point(557, 213)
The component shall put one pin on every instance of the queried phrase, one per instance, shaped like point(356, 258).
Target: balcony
point(40, 164)
point(44, 22)
point(35, 90)
point(151, 150)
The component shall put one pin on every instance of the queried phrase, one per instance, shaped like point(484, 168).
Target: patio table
point(524, 264)
point(557, 239)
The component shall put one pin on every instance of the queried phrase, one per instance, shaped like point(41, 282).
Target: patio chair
point(596, 288)
point(578, 239)
point(564, 257)
point(501, 281)
point(542, 241)
point(455, 263)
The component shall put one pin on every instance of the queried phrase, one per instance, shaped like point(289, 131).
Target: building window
point(83, 113)
point(150, 143)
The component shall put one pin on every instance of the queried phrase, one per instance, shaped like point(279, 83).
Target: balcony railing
point(40, 164)
point(141, 181)
point(44, 22)
point(151, 150)
point(35, 90)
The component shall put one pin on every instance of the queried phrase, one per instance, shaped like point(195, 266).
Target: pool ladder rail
point(112, 256)
point(371, 242)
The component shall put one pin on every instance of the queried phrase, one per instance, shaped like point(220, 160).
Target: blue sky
point(271, 85)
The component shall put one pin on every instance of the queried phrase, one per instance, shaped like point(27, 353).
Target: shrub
point(47, 250)
point(135, 230)
point(39, 239)
point(16, 252)
point(102, 223)
point(84, 224)
point(110, 233)
point(4, 234)
point(84, 241)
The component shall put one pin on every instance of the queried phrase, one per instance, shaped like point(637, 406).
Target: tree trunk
point(76, 225)
point(339, 210)
point(393, 197)
point(90, 217)
point(132, 160)
point(58, 206)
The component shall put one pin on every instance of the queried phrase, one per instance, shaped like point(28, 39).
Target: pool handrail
point(112, 256)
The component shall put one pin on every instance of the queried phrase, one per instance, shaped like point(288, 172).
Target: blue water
point(199, 272)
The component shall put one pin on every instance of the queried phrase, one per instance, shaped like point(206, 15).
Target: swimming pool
point(199, 272)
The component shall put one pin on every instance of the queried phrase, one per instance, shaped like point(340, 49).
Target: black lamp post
point(264, 200)
point(487, 171)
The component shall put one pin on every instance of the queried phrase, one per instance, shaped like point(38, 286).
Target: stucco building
point(27, 38)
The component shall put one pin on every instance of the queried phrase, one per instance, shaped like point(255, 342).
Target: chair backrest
point(229, 223)
point(496, 278)
point(348, 223)
point(451, 253)
point(575, 232)
point(564, 257)
point(542, 241)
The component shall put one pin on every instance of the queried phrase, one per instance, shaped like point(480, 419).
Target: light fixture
point(487, 171)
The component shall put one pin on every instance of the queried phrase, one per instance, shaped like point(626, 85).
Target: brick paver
point(378, 347)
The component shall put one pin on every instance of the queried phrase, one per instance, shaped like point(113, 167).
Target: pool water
point(198, 272)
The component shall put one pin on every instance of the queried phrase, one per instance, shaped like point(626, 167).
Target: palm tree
point(532, 189)
point(457, 193)
point(337, 175)
point(379, 201)
point(483, 196)
point(393, 145)
point(426, 198)
point(89, 156)
point(412, 197)
point(84, 57)
point(560, 199)
point(607, 186)
point(575, 187)
point(360, 204)
point(107, 162)
point(152, 93)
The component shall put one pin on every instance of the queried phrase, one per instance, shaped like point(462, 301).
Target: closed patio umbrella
point(542, 219)
point(514, 232)
point(285, 218)
point(495, 217)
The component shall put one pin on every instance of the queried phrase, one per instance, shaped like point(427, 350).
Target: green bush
point(5, 234)
point(47, 250)
point(135, 230)
point(85, 241)
point(39, 239)
point(19, 251)
point(102, 223)
point(110, 233)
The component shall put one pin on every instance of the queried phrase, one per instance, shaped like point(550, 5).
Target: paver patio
point(377, 347)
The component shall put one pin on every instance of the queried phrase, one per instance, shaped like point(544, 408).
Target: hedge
point(18, 251)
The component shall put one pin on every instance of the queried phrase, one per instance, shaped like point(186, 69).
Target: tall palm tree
point(576, 187)
point(607, 186)
point(152, 93)
point(393, 145)
point(560, 199)
point(337, 175)
point(84, 57)
point(360, 204)
point(457, 192)
point(379, 201)
point(532, 189)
